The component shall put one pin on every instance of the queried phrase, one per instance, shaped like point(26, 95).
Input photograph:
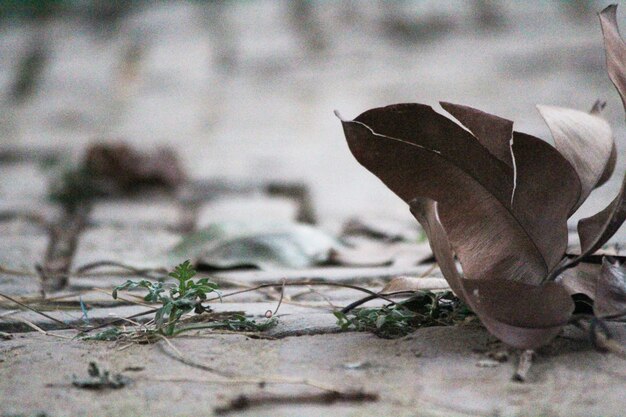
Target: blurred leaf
point(266, 246)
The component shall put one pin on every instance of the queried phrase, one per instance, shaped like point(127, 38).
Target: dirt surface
point(433, 372)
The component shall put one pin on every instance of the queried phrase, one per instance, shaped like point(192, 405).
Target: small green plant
point(178, 299)
point(392, 321)
point(182, 298)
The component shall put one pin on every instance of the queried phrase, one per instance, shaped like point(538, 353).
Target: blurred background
point(245, 90)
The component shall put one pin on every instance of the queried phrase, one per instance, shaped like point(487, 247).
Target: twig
point(429, 271)
point(601, 337)
point(258, 287)
point(122, 298)
point(39, 312)
point(300, 284)
point(599, 333)
point(139, 271)
point(358, 302)
point(177, 355)
point(230, 378)
point(121, 319)
point(245, 402)
point(40, 330)
point(525, 362)
point(9, 271)
point(280, 301)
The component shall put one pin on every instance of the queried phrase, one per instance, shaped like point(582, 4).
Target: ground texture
point(246, 107)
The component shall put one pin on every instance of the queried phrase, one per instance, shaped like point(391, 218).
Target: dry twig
point(245, 402)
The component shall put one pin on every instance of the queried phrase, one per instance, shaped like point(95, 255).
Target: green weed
point(424, 309)
point(176, 300)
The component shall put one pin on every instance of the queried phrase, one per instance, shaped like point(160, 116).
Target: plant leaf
point(402, 284)
point(521, 315)
point(425, 211)
point(581, 279)
point(610, 297)
point(604, 283)
point(493, 132)
point(596, 230)
point(542, 177)
point(419, 153)
point(266, 246)
point(586, 141)
point(615, 50)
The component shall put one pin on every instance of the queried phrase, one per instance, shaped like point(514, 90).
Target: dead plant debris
point(499, 201)
point(246, 402)
point(114, 169)
point(100, 379)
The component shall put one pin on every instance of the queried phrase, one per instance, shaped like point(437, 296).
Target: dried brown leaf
point(408, 284)
point(615, 49)
point(596, 230)
point(610, 297)
point(542, 178)
point(499, 200)
point(581, 279)
point(585, 140)
point(425, 211)
point(521, 315)
point(604, 283)
point(493, 132)
point(419, 153)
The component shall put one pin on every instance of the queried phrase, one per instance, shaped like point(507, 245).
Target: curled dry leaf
point(611, 290)
point(509, 323)
point(499, 199)
point(605, 283)
point(411, 284)
point(585, 140)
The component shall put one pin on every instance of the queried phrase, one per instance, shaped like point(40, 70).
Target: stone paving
point(179, 89)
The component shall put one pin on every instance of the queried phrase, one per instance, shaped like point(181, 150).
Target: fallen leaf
point(120, 167)
point(381, 229)
point(493, 132)
point(585, 140)
point(610, 297)
point(409, 284)
point(499, 199)
point(581, 279)
point(267, 246)
point(615, 50)
point(400, 144)
point(510, 322)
